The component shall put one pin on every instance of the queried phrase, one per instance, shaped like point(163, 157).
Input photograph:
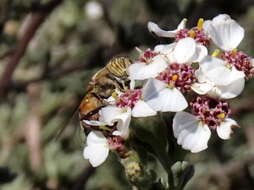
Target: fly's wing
point(70, 133)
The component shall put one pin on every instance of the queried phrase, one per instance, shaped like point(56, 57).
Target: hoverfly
point(106, 81)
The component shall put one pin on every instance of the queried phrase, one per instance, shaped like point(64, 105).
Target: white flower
point(122, 115)
point(185, 50)
point(130, 105)
point(154, 28)
point(110, 115)
point(193, 134)
point(161, 98)
point(141, 70)
point(97, 148)
point(217, 79)
point(133, 99)
point(225, 32)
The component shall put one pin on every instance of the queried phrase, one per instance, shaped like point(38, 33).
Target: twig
point(36, 19)
point(33, 127)
point(6, 54)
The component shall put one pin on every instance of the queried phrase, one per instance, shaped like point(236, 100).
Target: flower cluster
point(168, 73)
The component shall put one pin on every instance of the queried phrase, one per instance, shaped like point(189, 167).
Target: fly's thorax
point(118, 66)
point(113, 76)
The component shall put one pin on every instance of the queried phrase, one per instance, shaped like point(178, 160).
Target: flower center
point(197, 33)
point(177, 75)
point(129, 98)
point(241, 61)
point(147, 56)
point(116, 143)
point(210, 111)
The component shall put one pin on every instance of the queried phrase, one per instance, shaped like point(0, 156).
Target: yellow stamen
point(192, 34)
point(170, 86)
point(216, 53)
point(234, 51)
point(201, 123)
point(228, 66)
point(114, 94)
point(104, 127)
point(221, 116)
point(174, 77)
point(200, 24)
point(124, 110)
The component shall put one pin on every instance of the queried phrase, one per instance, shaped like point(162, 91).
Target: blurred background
point(49, 49)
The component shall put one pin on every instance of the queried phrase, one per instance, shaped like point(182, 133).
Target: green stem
point(166, 163)
point(169, 162)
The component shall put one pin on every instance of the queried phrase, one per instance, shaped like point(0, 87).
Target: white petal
point(96, 154)
point(142, 71)
point(236, 74)
point(165, 49)
point(200, 53)
point(182, 24)
point(154, 28)
point(201, 88)
point(158, 64)
point(142, 109)
point(227, 83)
point(201, 76)
point(132, 84)
point(190, 133)
point(151, 88)
point(216, 71)
point(97, 148)
point(215, 92)
point(225, 32)
point(93, 122)
point(96, 138)
point(112, 114)
point(184, 50)
point(108, 114)
point(135, 71)
point(220, 91)
point(123, 122)
point(166, 100)
point(232, 90)
point(225, 129)
point(221, 18)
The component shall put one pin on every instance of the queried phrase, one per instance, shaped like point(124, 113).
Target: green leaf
point(182, 172)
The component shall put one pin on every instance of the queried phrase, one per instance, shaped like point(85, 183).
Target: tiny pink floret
point(211, 111)
point(199, 35)
point(180, 76)
point(147, 56)
point(240, 60)
point(116, 142)
point(129, 98)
